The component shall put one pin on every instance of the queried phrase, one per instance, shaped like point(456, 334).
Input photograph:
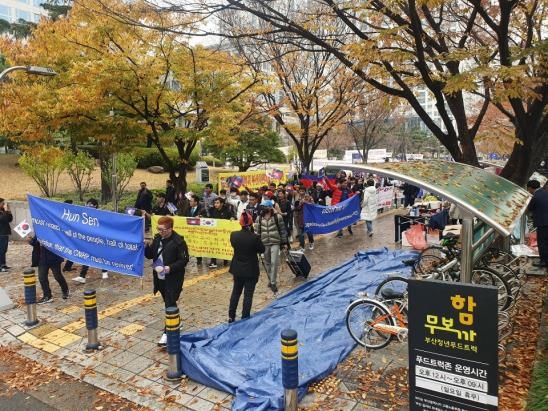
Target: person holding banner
point(270, 227)
point(195, 209)
point(46, 260)
point(169, 254)
point(340, 192)
point(222, 211)
point(369, 206)
point(299, 219)
point(244, 266)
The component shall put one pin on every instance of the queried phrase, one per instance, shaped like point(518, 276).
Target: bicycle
point(493, 268)
point(373, 322)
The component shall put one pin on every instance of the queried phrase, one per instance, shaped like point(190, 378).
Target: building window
point(24, 1)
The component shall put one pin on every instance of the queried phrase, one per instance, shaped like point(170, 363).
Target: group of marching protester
point(271, 217)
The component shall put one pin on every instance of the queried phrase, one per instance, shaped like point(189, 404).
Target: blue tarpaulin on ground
point(244, 358)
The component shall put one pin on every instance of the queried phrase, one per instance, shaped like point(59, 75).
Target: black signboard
point(453, 350)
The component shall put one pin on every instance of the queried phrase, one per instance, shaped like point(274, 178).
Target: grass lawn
point(15, 184)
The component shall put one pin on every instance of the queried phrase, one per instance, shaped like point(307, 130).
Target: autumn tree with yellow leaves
point(118, 84)
point(309, 93)
point(493, 50)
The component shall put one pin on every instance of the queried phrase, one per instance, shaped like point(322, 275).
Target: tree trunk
point(105, 163)
point(525, 157)
point(178, 177)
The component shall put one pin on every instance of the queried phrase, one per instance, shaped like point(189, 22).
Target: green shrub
point(80, 166)
point(148, 157)
point(44, 165)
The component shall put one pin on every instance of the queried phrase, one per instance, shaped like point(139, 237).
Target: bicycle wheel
point(509, 275)
point(487, 276)
point(393, 292)
point(395, 283)
point(361, 318)
point(427, 266)
point(496, 255)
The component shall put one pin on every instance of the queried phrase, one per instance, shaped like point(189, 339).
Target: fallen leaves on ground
point(516, 370)
point(25, 375)
point(109, 401)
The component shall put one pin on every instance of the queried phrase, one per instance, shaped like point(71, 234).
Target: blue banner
point(326, 219)
point(88, 236)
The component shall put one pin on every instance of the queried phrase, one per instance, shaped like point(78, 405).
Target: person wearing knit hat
point(244, 266)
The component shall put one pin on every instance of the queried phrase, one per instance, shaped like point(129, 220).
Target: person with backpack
point(271, 229)
point(169, 254)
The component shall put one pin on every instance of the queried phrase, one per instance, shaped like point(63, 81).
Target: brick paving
point(131, 321)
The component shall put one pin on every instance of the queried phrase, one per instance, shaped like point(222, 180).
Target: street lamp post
point(36, 70)
point(5, 302)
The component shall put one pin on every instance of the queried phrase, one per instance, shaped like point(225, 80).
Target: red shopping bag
point(416, 236)
point(532, 242)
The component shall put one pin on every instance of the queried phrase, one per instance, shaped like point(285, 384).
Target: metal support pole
point(92, 322)
point(114, 184)
point(173, 329)
point(466, 257)
point(522, 228)
point(29, 279)
point(290, 369)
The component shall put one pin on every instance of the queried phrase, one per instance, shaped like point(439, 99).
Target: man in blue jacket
point(539, 208)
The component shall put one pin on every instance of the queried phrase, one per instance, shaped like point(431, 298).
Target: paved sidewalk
point(131, 321)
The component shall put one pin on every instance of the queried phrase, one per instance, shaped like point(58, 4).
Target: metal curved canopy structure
point(493, 199)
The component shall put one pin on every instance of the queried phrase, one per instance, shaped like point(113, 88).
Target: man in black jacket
point(170, 193)
point(221, 211)
point(195, 209)
point(539, 208)
point(169, 254)
point(144, 198)
point(47, 260)
point(244, 266)
point(5, 231)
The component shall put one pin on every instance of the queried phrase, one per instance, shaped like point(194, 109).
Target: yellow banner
point(251, 179)
point(205, 237)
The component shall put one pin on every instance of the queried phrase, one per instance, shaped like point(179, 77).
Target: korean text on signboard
point(453, 335)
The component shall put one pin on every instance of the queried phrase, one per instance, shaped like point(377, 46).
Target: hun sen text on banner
point(88, 236)
point(205, 237)
point(326, 219)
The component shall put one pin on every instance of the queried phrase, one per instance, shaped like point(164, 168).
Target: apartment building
point(29, 10)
